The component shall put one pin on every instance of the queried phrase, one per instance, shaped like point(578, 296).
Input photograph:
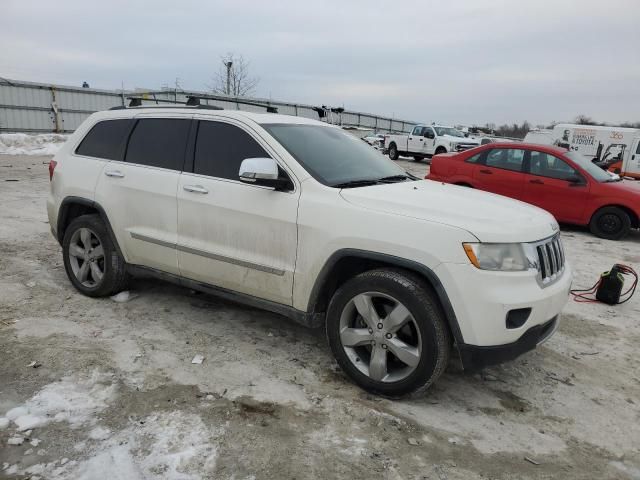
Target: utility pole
point(228, 65)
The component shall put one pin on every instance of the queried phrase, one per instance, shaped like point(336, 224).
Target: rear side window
point(221, 148)
point(159, 142)
point(105, 140)
point(505, 158)
point(475, 158)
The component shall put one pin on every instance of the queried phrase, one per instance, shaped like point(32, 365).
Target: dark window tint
point(105, 140)
point(505, 158)
point(220, 149)
point(159, 142)
point(547, 165)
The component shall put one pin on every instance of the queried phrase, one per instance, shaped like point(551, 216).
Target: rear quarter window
point(106, 139)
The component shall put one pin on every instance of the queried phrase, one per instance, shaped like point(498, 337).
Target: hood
point(489, 217)
point(468, 140)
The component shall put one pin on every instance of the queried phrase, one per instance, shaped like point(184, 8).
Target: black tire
point(440, 150)
point(393, 152)
point(466, 185)
point(428, 318)
point(115, 277)
point(611, 223)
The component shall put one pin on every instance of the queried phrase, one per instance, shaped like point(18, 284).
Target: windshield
point(448, 131)
point(592, 169)
point(332, 156)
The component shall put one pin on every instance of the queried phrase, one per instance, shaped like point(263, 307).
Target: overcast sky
point(467, 62)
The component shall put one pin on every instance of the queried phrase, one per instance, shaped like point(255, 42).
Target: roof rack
point(136, 101)
point(192, 101)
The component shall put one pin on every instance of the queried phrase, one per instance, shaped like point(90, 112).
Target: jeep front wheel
point(388, 333)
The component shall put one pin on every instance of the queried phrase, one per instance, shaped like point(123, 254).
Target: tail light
point(52, 167)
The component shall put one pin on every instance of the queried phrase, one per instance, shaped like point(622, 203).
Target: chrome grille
point(550, 259)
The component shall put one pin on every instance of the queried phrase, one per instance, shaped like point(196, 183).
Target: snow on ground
point(28, 144)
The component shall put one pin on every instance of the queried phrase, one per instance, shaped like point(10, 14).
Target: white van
point(604, 144)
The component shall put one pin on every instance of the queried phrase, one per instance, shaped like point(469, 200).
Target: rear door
point(232, 234)
point(632, 166)
point(547, 186)
point(501, 171)
point(139, 193)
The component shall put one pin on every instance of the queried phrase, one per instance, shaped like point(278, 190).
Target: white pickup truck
point(426, 141)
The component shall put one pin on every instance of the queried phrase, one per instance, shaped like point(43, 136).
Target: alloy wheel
point(380, 337)
point(86, 257)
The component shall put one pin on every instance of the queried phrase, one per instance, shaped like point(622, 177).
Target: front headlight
point(505, 257)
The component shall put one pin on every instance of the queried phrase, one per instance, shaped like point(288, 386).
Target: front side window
point(547, 165)
point(506, 158)
point(106, 139)
point(331, 155)
point(221, 148)
point(592, 169)
point(159, 142)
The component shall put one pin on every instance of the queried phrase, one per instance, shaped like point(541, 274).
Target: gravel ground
point(113, 393)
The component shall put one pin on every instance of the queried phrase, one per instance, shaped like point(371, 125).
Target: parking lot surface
point(103, 386)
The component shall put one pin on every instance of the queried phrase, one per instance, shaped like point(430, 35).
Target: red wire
point(588, 295)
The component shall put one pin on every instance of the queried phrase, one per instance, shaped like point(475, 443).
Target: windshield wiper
point(355, 183)
point(397, 178)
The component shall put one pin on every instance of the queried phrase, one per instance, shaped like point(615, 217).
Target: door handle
point(488, 172)
point(537, 182)
point(422, 139)
point(195, 189)
point(114, 173)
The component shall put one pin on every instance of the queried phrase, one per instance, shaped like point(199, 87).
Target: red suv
point(564, 183)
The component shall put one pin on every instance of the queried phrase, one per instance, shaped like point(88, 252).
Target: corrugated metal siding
point(29, 107)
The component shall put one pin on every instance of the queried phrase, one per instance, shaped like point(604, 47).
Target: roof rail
point(236, 100)
point(192, 101)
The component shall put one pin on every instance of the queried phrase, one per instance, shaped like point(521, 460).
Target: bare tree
point(233, 77)
point(584, 120)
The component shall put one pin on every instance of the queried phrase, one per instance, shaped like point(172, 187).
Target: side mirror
point(428, 134)
point(262, 171)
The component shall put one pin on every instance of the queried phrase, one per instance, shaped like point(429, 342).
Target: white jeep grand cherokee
point(300, 218)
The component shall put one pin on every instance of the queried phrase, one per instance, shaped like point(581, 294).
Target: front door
point(231, 234)
point(416, 140)
point(548, 186)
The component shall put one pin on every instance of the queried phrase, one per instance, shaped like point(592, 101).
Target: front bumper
point(483, 302)
point(475, 358)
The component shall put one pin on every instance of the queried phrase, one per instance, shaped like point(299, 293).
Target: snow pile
point(67, 400)
point(173, 446)
point(25, 144)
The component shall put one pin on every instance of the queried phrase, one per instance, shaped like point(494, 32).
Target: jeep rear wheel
point(91, 260)
point(388, 333)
